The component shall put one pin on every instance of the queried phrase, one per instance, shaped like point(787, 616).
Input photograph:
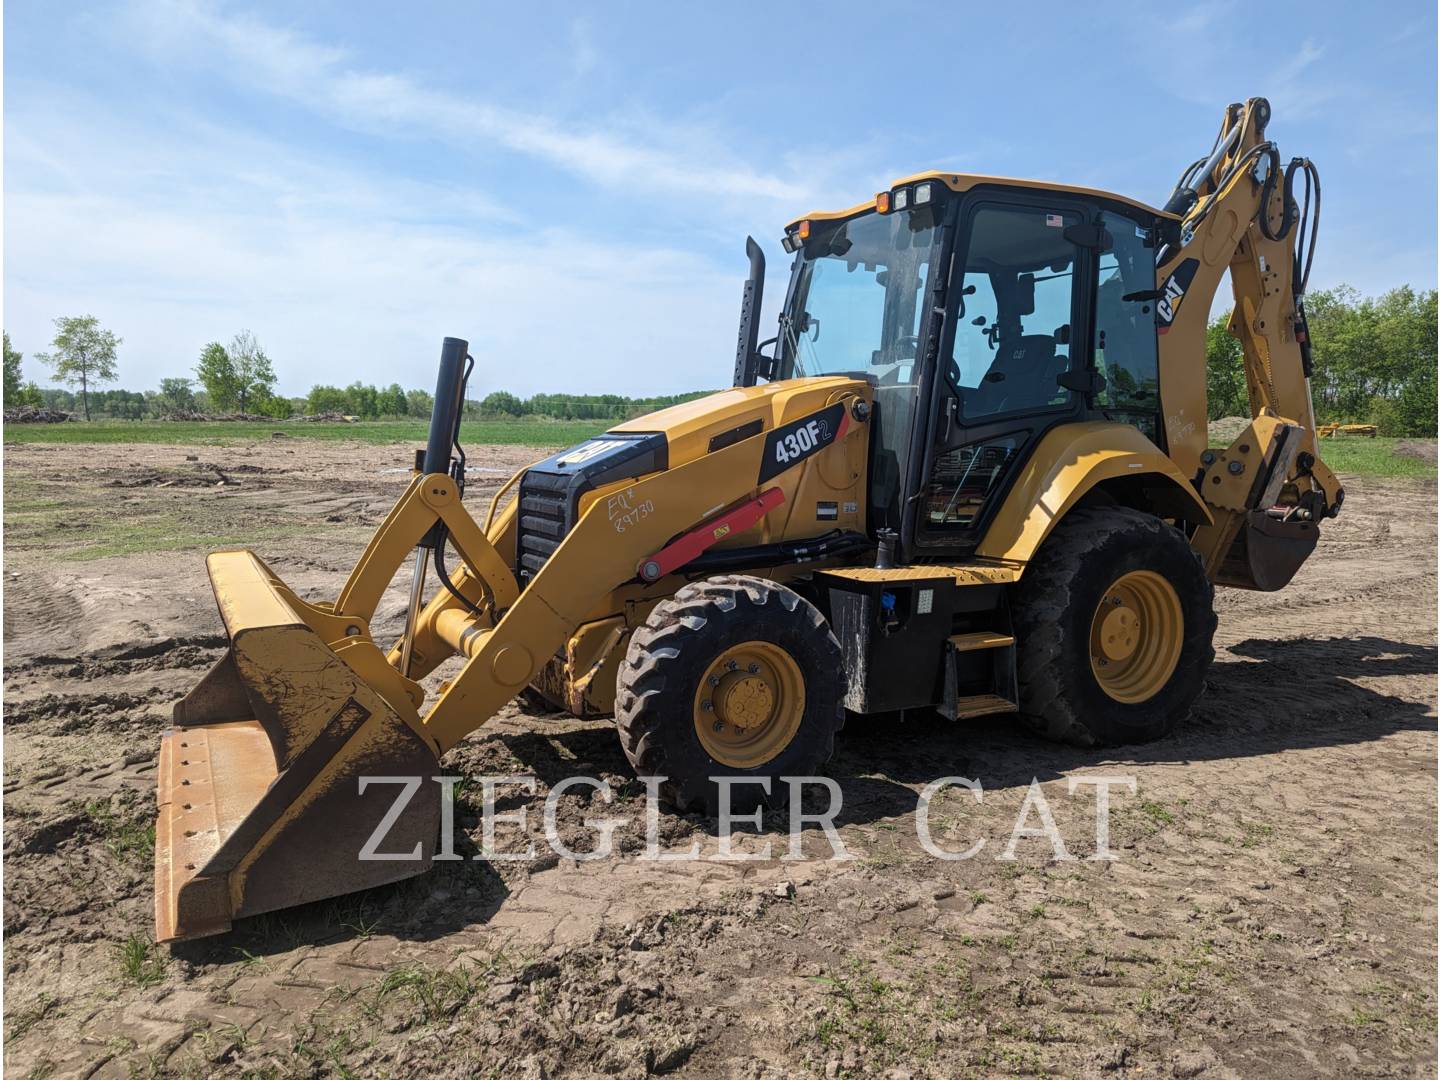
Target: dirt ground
point(1271, 910)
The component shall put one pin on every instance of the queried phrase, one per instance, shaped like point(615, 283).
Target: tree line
point(1375, 361)
point(240, 378)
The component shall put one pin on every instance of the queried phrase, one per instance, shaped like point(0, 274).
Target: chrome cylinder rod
point(412, 613)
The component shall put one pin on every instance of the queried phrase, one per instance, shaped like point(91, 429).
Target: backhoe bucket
point(264, 801)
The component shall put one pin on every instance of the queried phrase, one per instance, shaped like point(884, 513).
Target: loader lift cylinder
point(444, 428)
point(445, 417)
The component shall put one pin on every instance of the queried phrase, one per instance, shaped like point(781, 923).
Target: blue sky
point(570, 186)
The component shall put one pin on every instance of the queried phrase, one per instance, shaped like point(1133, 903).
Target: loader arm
point(265, 780)
point(1267, 490)
point(593, 560)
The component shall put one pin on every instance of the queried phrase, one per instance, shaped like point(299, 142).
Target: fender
point(1069, 461)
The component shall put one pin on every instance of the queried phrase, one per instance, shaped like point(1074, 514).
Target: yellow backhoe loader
point(970, 472)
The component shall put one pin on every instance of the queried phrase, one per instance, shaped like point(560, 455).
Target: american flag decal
point(1055, 221)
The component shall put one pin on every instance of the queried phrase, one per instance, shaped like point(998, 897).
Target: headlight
point(902, 199)
point(922, 194)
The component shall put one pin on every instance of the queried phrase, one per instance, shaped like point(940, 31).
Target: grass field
point(1378, 457)
point(1367, 457)
point(472, 432)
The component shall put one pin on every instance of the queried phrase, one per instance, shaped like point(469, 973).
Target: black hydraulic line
point(1287, 216)
point(459, 465)
point(444, 574)
point(442, 531)
point(778, 554)
point(1305, 246)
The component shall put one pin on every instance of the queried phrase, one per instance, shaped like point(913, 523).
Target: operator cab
point(984, 312)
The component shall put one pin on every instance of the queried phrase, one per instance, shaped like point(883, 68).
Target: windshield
point(857, 301)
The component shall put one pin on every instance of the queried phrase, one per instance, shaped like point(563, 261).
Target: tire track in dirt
point(1272, 910)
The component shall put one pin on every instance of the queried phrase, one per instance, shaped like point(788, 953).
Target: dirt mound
point(168, 654)
point(70, 714)
point(1227, 428)
point(1420, 449)
point(198, 474)
point(35, 414)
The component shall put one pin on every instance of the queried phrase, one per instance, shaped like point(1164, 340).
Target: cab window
point(1125, 344)
point(1012, 341)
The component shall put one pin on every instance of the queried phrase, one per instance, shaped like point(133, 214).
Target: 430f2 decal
point(792, 443)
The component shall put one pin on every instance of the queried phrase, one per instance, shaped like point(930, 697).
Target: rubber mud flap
point(259, 782)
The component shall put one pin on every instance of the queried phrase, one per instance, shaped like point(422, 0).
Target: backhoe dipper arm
point(1238, 212)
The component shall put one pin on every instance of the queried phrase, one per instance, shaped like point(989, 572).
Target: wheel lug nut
point(719, 726)
point(714, 680)
point(706, 705)
point(731, 665)
point(753, 669)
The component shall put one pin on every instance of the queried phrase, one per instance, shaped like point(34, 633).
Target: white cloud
point(326, 80)
point(183, 233)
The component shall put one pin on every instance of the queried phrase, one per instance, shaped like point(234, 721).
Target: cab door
point(1018, 326)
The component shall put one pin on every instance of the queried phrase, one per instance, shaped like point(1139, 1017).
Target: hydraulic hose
point(444, 574)
point(442, 532)
point(1309, 222)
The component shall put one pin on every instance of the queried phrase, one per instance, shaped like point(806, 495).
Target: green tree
point(502, 403)
point(325, 399)
point(122, 404)
point(52, 397)
point(240, 378)
point(362, 400)
point(254, 374)
point(216, 372)
point(276, 405)
point(12, 372)
point(1375, 358)
point(418, 403)
point(16, 393)
point(176, 395)
point(392, 401)
point(1224, 371)
point(82, 354)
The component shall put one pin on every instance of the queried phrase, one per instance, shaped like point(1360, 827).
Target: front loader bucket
point(260, 800)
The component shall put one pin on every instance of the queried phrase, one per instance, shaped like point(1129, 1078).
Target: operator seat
point(1022, 376)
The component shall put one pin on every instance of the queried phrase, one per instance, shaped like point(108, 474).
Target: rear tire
point(782, 692)
point(1097, 560)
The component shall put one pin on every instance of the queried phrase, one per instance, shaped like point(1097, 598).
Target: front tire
point(1115, 626)
point(732, 676)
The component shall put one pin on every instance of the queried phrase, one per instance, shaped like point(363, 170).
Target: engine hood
point(695, 428)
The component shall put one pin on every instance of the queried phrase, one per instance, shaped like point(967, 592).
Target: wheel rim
point(1135, 636)
point(749, 704)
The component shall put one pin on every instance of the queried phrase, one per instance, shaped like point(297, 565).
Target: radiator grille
point(544, 521)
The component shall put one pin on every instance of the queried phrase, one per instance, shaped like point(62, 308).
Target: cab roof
point(966, 181)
